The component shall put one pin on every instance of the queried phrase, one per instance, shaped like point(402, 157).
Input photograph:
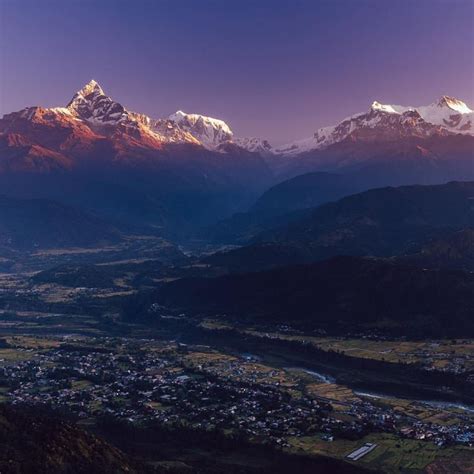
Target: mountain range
point(96, 154)
point(187, 171)
point(391, 145)
point(92, 114)
point(384, 121)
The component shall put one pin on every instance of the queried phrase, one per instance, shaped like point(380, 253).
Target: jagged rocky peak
point(90, 103)
point(89, 94)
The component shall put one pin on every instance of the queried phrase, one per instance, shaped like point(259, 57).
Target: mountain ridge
point(383, 222)
point(91, 105)
point(341, 294)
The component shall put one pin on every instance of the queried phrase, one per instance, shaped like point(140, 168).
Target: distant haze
point(274, 69)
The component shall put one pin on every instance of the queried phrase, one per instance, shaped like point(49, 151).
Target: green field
point(392, 454)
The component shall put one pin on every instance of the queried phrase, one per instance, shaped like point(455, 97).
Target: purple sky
point(274, 69)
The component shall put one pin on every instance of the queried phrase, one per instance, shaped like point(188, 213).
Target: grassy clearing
point(80, 384)
point(28, 342)
point(332, 391)
point(13, 356)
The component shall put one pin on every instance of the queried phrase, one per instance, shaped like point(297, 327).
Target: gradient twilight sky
point(270, 68)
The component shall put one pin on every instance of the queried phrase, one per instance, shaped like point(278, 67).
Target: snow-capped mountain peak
point(454, 104)
point(89, 93)
point(383, 108)
point(445, 102)
point(211, 132)
point(91, 87)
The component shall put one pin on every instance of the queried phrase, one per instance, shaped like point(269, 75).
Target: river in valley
point(326, 378)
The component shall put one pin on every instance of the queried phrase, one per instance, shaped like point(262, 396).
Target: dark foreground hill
point(34, 443)
point(38, 443)
point(340, 295)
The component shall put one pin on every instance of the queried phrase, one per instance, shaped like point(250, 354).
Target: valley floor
point(159, 382)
